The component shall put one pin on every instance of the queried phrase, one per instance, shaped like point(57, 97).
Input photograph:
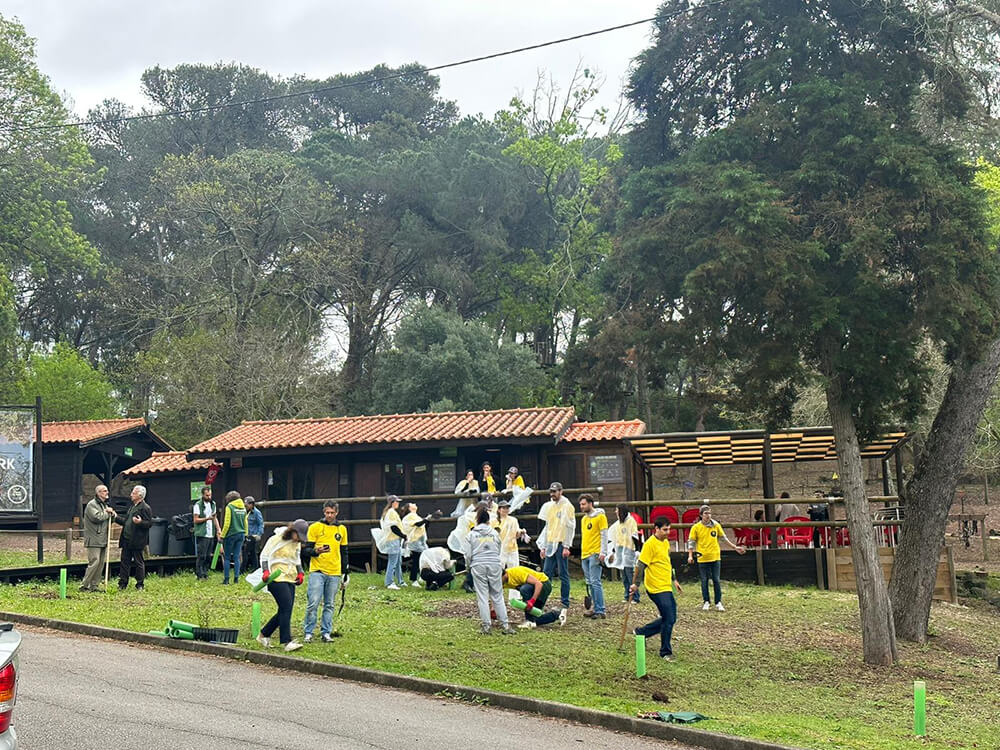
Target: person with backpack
point(234, 532)
point(206, 532)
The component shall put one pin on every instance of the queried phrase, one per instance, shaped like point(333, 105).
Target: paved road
point(78, 693)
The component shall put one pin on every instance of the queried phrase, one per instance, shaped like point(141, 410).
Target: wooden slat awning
point(747, 447)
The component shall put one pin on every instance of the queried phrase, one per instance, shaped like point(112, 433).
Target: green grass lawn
point(10, 558)
point(782, 664)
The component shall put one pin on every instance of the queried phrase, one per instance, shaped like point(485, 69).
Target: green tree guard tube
point(919, 708)
point(215, 555)
point(535, 611)
point(62, 583)
point(255, 619)
point(640, 655)
point(178, 625)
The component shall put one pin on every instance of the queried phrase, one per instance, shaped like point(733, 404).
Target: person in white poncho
point(624, 536)
point(415, 529)
point(510, 534)
point(556, 538)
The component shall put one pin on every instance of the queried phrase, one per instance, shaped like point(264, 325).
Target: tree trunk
point(643, 405)
point(877, 631)
point(930, 492)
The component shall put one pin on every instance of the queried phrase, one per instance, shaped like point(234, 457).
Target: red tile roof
point(581, 431)
point(167, 462)
point(87, 431)
point(549, 422)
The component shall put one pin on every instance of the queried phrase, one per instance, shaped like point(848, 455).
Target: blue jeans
point(555, 562)
point(325, 587)
point(627, 581)
point(710, 570)
point(664, 624)
point(394, 570)
point(527, 591)
point(232, 547)
point(592, 575)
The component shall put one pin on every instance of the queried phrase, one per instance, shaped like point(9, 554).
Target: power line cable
point(363, 82)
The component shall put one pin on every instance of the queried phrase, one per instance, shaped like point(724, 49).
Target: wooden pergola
point(674, 449)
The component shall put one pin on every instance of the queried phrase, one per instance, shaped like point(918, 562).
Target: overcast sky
point(97, 49)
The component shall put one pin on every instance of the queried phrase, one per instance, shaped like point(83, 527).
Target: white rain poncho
point(560, 525)
point(383, 535)
point(510, 531)
point(416, 536)
point(519, 496)
point(620, 539)
point(463, 525)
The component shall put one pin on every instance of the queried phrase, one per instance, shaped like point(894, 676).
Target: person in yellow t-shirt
point(489, 483)
point(593, 551)
point(514, 479)
point(327, 570)
point(534, 588)
point(704, 541)
point(654, 569)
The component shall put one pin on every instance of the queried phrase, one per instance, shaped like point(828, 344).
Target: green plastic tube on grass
point(162, 633)
point(215, 555)
point(178, 625)
point(640, 656)
point(519, 604)
point(274, 577)
point(182, 635)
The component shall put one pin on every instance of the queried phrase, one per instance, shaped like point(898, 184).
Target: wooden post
point(951, 575)
point(986, 488)
point(374, 560)
point(38, 486)
point(767, 475)
point(69, 544)
point(986, 539)
point(760, 566)
point(820, 582)
point(41, 546)
point(884, 464)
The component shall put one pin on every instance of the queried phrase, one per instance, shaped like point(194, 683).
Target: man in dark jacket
point(135, 524)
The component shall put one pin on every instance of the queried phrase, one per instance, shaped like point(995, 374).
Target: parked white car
point(10, 642)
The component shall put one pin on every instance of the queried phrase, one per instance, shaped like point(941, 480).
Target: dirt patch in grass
point(454, 608)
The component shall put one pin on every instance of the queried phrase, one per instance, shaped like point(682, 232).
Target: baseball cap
point(555, 486)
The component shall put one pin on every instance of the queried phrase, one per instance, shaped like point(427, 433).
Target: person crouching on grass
point(654, 569)
point(534, 588)
point(704, 541)
point(482, 554)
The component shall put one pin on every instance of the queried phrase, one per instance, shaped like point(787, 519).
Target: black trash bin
point(158, 537)
point(179, 538)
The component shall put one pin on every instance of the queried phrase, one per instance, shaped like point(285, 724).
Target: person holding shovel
point(654, 569)
point(327, 570)
point(280, 560)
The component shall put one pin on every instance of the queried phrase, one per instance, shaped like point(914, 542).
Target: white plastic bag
point(254, 578)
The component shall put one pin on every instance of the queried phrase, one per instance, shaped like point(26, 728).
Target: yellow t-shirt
point(706, 540)
point(389, 520)
point(490, 485)
point(334, 535)
point(590, 534)
point(659, 572)
point(518, 576)
point(518, 482)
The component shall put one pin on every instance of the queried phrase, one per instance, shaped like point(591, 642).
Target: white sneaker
point(706, 606)
point(394, 587)
point(293, 646)
point(416, 584)
point(308, 638)
point(720, 607)
point(527, 625)
point(562, 617)
point(403, 585)
point(264, 641)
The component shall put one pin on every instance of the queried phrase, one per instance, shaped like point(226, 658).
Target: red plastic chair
point(639, 521)
point(745, 537)
point(801, 536)
point(671, 513)
point(843, 537)
point(691, 515)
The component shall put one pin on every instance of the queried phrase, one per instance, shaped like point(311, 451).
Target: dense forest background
point(370, 249)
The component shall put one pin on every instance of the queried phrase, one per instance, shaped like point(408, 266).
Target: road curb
point(588, 716)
